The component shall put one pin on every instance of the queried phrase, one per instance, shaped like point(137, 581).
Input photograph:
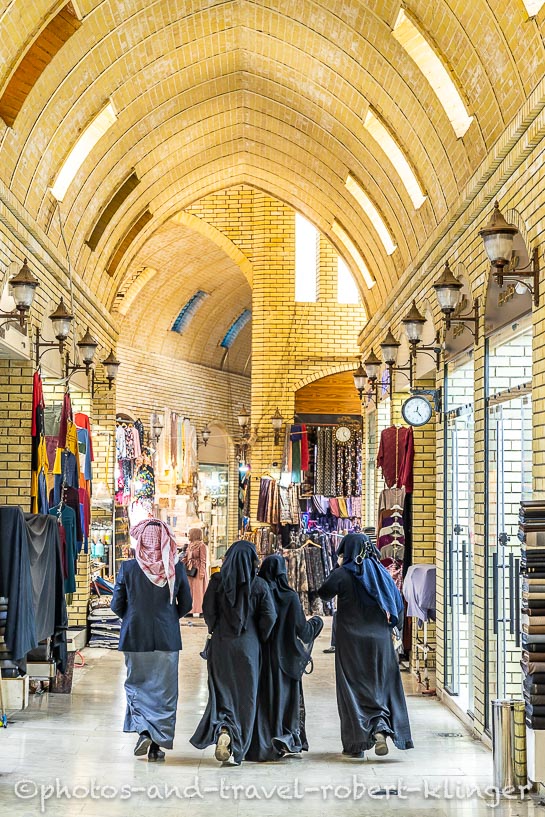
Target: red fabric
point(397, 449)
point(156, 552)
point(82, 421)
point(37, 400)
point(66, 414)
point(85, 500)
point(304, 449)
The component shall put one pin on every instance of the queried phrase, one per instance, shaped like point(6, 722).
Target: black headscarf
point(362, 560)
point(293, 651)
point(237, 574)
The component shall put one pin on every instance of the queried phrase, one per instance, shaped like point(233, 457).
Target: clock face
point(416, 410)
point(343, 434)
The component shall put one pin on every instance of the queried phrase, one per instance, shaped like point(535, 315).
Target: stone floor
point(75, 741)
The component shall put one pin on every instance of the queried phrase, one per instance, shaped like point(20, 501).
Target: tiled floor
point(77, 741)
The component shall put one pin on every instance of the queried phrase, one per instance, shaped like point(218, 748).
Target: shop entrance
point(459, 532)
point(509, 479)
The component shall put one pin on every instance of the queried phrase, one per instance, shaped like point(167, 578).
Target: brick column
point(15, 432)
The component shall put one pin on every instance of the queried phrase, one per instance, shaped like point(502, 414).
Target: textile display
point(532, 567)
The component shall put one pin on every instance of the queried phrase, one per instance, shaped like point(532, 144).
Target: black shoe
point(142, 744)
point(358, 755)
point(155, 753)
point(329, 650)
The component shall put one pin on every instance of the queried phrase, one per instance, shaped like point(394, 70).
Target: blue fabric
point(373, 577)
point(152, 695)
point(85, 452)
point(69, 475)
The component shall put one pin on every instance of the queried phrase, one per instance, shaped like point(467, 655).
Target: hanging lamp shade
point(414, 324)
point(390, 349)
point(23, 288)
point(498, 236)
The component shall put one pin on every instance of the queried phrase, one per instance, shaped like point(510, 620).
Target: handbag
point(191, 572)
point(204, 653)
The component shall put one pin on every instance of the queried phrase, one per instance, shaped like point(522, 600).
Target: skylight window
point(347, 289)
point(343, 236)
point(354, 187)
point(187, 313)
point(533, 6)
point(388, 144)
point(419, 50)
point(236, 328)
point(82, 148)
point(306, 260)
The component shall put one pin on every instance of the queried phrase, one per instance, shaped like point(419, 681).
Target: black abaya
point(234, 662)
point(279, 727)
point(370, 696)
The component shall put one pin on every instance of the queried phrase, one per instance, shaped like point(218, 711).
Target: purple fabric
point(419, 591)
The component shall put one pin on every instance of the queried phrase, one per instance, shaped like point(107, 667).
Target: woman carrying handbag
point(196, 562)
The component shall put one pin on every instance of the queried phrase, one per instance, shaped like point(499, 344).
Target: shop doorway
point(509, 479)
point(459, 532)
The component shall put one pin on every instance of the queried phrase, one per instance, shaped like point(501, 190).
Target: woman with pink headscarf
point(196, 562)
point(151, 594)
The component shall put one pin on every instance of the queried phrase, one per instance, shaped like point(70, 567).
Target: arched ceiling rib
point(271, 93)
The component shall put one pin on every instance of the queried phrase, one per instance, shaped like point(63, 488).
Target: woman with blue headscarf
point(240, 614)
point(370, 696)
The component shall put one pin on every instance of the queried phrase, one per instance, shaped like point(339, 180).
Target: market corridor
point(77, 739)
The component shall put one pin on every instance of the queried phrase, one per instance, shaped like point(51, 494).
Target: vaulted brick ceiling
point(273, 93)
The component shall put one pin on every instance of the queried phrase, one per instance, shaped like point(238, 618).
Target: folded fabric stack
point(532, 536)
point(104, 625)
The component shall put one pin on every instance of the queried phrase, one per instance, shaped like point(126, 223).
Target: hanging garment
point(16, 583)
point(120, 443)
point(396, 456)
point(139, 426)
point(39, 461)
point(82, 421)
point(279, 727)
point(48, 584)
point(240, 614)
point(419, 590)
point(326, 475)
point(71, 498)
point(68, 521)
point(348, 467)
point(129, 443)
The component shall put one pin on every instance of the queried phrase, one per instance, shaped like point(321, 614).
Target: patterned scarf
point(156, 552)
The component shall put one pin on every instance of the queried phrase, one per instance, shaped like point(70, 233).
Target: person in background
point(279, 727)
point(196, 562)
point(240, 614)
point(370, 696)
point(151, 594)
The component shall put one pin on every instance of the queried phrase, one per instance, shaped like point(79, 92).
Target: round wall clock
point(417, 410)
point(343, 435)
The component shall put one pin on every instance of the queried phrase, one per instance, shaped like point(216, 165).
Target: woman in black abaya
point(239, 611)
point(370, 696)
point(279, 727)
